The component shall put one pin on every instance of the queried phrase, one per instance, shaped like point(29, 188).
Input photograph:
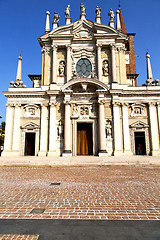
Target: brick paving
point(99, 192)
point(18, 237)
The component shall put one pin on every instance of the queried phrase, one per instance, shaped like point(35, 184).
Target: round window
point(84, 67)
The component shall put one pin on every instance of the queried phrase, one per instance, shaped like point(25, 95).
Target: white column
point(54, 64)
point(99, 61)
point(16, 130)
point(117, 130)
point(154, 129)
point(158, 111)
point(68, 62)
point(67, 128)
point(8, 131)
point(101, 123)
point(126, 136)
point(44, 130)
point(52, 130)
point(114, 78)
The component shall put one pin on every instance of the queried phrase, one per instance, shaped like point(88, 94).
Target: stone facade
point(86, 101)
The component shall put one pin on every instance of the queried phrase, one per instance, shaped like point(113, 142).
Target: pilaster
point(117, 129)
point(99, 61)
point(126, 135)
point(102, 138)
point(54, 64)
point(67, 127)
point(68, 62)
point(52, 129)
point(44, 130)
point(16, 130)
point(8, 131)
point(114, 77)
point(154, 129)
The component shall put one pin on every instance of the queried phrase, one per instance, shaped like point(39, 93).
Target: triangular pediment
point(139, 124)
point(30, 126)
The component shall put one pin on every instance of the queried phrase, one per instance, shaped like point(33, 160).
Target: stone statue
point(56, 17)
point(61, 68)
point(111, 14)
point(98, 11)
point(82, 8)
point(108, 129)
point(67, 11)
point(105, 68)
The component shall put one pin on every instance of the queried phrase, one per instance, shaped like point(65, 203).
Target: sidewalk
point(79, 161)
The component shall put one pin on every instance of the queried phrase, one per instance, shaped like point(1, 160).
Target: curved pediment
point(83, 29)
point(84, 85)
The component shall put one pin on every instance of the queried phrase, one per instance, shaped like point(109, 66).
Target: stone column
point(68, 62)
point(67, 128)
point(52, 129)
point(114, 78)
point(54, 64)
point(16, 130)
point(44, 130)
point(8, 131)
point(158, 111)
point(117, 130)
point(154, 129)
point(126, 136)
point(99, 64)
point(101, 123)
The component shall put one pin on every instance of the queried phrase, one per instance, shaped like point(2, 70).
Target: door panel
point(84, 139)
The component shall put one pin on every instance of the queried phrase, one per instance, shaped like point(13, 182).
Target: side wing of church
point(86, 101)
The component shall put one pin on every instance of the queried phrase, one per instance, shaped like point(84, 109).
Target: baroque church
point(86, 100)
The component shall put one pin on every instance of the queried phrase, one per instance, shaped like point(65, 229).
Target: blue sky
point(22, 22)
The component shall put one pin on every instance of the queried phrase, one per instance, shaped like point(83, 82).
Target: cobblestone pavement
point(101, 192)
point(18, 237)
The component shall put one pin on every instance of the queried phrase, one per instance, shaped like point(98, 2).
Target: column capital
point(116, 104)
point(99, 45)
point(53, 104)
point(124, 104)
point(44, 105)
point(113, 46)
point(67, 102)
point(54, 47)
point(152, 104)
point(101, 101)
point(9, 105)
point(17, 105)
point(68, 46)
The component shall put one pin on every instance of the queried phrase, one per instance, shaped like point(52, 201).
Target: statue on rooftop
point(56, 17)
point(98, 11)
point(82, 8)
point(67, 11)
point(111, 14)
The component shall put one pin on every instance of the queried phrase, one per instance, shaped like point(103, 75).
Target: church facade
point(86, 101)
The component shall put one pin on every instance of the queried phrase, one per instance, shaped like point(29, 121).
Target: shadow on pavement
point(83, 229)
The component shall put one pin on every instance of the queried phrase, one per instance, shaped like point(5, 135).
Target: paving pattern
point(18, 237)
point(99, 192)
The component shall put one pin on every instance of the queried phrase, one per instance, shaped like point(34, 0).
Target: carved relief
point(84, 111)
point(84, 33)
point(137, 110)
point(31, 111)
point(61, 68)
point(105, 67)
point(108, 128)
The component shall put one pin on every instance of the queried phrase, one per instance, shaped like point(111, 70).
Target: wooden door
point(84, 139)
point(30, 144)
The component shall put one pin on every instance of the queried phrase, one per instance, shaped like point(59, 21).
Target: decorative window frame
point(28, 114)
point(133, 108)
